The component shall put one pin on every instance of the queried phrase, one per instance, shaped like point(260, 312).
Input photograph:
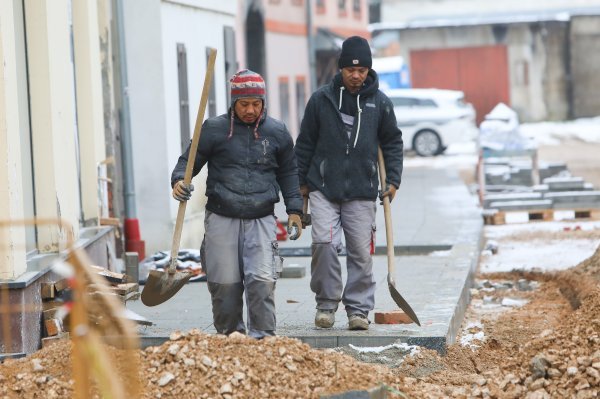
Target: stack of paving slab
point(509, 187)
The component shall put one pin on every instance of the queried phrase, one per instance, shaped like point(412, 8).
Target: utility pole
point(311, 46)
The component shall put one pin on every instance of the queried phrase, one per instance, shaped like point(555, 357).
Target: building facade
point(529, 55)
point(275, 41)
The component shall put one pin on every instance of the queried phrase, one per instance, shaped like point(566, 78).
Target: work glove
point(390, 192)
point(294, 226)
point(182, 192)
point(304, 191)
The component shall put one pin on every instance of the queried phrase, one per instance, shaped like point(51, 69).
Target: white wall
point(197, 28)
point(152, 29)
point(278, 66)
point(142, 25)
point(12, 239)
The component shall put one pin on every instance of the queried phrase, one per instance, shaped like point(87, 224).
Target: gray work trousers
point(241, 256)
point(357, 220)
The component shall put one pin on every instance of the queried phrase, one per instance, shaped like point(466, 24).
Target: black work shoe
point(358, 322)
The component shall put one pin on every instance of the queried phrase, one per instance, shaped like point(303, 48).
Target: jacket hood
point(370, 86)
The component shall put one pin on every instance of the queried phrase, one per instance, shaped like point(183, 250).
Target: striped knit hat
point(247, 84)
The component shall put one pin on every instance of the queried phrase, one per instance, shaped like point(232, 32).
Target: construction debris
point(56, 295)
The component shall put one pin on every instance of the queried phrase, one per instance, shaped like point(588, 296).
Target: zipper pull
point(347, 149)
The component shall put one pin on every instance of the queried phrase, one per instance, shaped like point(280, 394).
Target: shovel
point(389, 235)
point(162, 285)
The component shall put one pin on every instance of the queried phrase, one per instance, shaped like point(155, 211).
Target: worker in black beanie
point(336, 150)
point(355, 52)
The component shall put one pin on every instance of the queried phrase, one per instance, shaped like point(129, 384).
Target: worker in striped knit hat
point(250, 158)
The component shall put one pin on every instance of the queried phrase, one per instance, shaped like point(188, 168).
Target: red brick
point(53, 327)
point(394, 317)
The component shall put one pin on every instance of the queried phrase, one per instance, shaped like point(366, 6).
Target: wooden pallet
point(496, 217)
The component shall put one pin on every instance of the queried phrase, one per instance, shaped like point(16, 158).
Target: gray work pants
point(357, 220)
point(241, 255)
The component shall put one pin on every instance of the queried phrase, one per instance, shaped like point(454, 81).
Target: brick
point(394, 317)
point(53, 327)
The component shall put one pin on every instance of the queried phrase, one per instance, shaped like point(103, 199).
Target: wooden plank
point(132, 296)
point(124, 289)
point(47, 341)
point(113, 277)
point(120, 289)
point(47, 305)
point(50, 313)
point(110, 222)
point(61, 285)
point(48, 291)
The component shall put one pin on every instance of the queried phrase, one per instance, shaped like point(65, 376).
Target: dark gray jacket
point(245, 174)
point(345, 168)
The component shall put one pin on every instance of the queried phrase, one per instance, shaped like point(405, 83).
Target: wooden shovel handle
point(192, 156)
point(387, 210)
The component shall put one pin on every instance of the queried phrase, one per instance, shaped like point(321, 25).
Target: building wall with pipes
point(51, 125)
point(166, 52)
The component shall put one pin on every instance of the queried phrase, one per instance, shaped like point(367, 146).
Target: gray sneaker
point(325, 318)
point(358, 322)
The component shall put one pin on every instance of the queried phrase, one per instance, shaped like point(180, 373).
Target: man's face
point(354, 77)
point(248, 109)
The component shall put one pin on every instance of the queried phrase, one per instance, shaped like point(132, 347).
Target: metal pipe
point(125, 119)
point(311, 47)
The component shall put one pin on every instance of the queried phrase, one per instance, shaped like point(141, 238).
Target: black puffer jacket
point(345, 168)
point(245, 174)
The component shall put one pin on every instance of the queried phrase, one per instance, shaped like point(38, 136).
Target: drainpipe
point(311, 47)
point(133, 241)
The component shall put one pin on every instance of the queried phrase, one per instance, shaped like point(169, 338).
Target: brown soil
point(549, 348)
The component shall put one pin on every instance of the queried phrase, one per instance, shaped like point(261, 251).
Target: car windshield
point(412, 102)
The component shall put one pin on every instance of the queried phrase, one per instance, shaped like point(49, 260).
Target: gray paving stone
point(521, 205)
point(433, 215)
point(488, 199)
point(574, 197)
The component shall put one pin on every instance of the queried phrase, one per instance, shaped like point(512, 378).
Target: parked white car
point(432, 119)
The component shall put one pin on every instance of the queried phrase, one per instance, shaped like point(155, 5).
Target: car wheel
point(427, 143)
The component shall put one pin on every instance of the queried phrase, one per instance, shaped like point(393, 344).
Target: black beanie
point(355, 52)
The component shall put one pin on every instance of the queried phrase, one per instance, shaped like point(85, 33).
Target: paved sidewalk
point(437, 233)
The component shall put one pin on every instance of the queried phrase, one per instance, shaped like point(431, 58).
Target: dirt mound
point(198, 365)
point(549, 348)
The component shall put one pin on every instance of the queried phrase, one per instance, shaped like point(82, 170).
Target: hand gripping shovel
point(161, 286)
point(389, 235)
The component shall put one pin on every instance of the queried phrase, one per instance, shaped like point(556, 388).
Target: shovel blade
point(161, 286)
point(401, 302)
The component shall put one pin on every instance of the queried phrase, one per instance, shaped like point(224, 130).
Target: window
point(300, 97)
point(342, 8)
point(412, 102)
point(231, 64)
point(212, 95)
point(356, 6)
point(320, 6)
point(184, 101)
point(284, 100)
point(402, 101)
